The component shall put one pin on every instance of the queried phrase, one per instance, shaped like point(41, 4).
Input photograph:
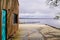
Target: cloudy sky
point(38, 9)
point(36, 6)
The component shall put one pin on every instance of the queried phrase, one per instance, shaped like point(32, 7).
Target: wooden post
point(12, 8)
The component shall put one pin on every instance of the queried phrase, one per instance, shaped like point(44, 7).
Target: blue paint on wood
point(4, 14)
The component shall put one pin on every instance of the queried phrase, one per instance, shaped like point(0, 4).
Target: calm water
point(52, 22)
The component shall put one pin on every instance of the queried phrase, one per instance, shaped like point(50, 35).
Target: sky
point(37, 7)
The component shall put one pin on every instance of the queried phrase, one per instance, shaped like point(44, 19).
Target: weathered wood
point(0, 19)
point(12, 8)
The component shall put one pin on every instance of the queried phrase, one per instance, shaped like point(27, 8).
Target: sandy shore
point(37, 32)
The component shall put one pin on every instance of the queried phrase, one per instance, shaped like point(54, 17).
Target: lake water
point(52, 22)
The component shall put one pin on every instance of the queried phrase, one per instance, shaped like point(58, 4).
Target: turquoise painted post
point(4, 21)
